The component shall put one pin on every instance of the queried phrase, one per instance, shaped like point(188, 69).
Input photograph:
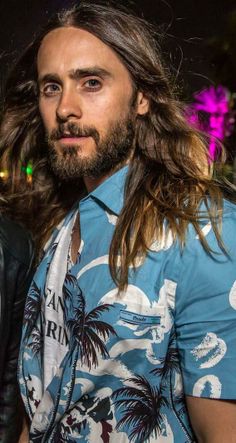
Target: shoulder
point(226, 225)
point(210, 268)
point(211, 248)
point(229, 216)
point(15, 240)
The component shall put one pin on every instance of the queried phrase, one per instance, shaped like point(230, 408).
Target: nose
point(69, 106)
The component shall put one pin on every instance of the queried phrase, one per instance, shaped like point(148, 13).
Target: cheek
point(47, 113)
point(105, 110)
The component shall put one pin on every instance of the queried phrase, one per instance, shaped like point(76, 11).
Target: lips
point(72, 133)
point(71, 138)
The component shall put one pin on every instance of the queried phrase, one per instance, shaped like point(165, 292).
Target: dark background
point(189, 25)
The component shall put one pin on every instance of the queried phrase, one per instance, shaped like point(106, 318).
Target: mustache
point(73, 130)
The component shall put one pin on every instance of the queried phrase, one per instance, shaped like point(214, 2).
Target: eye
point(50, 89)
point(93, 84)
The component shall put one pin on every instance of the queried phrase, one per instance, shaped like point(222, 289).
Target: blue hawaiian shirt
point(98, 366)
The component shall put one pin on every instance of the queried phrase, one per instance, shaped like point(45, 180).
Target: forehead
point(69, 48)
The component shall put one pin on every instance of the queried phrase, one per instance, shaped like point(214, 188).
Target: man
point(16, 273)
point(130, 322)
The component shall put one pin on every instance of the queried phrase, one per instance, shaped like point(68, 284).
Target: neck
point(92, 183)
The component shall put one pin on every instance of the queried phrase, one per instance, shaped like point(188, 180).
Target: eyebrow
point(80, 73)
point(76, 74)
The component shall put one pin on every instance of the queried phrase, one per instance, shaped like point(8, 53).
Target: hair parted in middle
point(169, 174)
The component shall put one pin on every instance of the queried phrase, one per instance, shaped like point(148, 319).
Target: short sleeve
point(206, 314)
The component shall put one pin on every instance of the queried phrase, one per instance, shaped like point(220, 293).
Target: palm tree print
point(32, 307)
point(72, 281)
point(170, 366)
point(37, 341)
point(141, 408)
point(61, 434)
point(36, 437)
point(170, 362)
point(89, 333)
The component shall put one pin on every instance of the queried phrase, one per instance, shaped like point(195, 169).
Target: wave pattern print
point(111, 218)
point(232, 296)
point(164, 243)
point(212, 347)
point(205, 230)
point(208, 381)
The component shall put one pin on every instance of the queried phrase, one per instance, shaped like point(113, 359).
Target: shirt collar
point(111, 192)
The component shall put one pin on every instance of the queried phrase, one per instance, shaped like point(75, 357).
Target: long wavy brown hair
point(170, 174)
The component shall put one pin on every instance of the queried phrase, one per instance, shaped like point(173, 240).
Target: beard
point(110, 152)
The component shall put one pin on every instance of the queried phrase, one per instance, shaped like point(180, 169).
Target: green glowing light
point(28, 169)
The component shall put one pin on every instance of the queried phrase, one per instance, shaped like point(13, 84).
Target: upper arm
point(206, 334)
point(18, 276)
point(213, 421)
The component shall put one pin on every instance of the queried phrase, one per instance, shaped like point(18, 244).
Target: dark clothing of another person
point(16, 255)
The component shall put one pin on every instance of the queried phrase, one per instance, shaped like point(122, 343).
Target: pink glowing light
point(214, 103)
